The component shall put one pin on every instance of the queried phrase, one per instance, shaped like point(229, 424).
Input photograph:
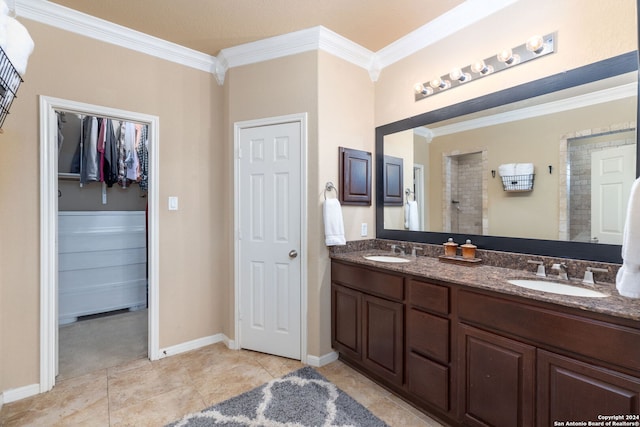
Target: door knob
point(293, 253)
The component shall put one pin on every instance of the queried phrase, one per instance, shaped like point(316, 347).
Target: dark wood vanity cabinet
point(497, 379)
point(428, 344)
point(482, 358)
point(569, 389)
point(367, 325)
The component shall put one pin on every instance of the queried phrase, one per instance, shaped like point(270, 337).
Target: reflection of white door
point(418, 192)
point(269, 238)
point(612, 174)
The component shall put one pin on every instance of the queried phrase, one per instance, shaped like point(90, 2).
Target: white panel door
point(612, 174)
point(269, 239)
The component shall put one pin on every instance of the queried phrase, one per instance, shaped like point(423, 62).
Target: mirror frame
point(610, 67)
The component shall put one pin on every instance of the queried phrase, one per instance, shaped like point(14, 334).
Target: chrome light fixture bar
point(535, 47)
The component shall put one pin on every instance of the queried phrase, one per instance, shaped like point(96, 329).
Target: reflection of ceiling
point(607, 90)
point(211, 25)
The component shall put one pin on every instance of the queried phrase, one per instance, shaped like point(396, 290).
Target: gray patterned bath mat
point(303, 398)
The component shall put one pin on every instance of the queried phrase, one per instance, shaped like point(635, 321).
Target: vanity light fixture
point(535, 47)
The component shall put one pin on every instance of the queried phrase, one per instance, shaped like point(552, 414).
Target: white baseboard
point(19, 393)
point(317, 362)
point(196, 344)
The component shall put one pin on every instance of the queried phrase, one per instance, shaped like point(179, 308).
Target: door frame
point(49, 227)
point(238, 127)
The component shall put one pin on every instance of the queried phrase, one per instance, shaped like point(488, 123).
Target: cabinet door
point(577, 391)
point(382, 338)
point(355, 177)
point(345, 321)
point(496, 380)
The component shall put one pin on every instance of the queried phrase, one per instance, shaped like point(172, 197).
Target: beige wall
point(189, 103)
point(338, 98)
point(345, 119)
point(588, 31)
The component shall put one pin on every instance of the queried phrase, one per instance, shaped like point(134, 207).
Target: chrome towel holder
point(328, 187)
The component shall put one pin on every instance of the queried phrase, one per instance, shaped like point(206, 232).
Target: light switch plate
point(363, 229)
point(173, 203)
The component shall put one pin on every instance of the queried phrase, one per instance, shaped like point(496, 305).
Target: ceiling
point(211, 25)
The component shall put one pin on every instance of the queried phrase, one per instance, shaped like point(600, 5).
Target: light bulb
point(459, 75)
point(505, 55)
point(508, 57)
point(535, 44)
point(456, 74)
point(481, 68)
point(422, 90)
point(436, 83)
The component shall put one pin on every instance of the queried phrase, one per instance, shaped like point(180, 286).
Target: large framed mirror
point(567, 127)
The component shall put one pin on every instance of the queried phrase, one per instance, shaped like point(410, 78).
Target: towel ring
point(328, 187)
point(408, 192)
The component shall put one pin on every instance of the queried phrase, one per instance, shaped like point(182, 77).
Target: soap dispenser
point(468, 250)
point(450, 247)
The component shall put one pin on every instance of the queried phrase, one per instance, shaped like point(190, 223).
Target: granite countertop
point(496, 279)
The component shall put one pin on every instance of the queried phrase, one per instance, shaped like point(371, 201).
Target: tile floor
point(144, 393)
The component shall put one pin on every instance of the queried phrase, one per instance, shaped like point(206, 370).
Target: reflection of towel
point(333, 225)
point(628, 278)
point(508, 169)
point(524, 169)
point(411, 220)
point(516, 176)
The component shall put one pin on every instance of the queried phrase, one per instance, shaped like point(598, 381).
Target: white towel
point(524, 169)
point(508, 169)
point(17, 43)
point(412, 222)
point(628, 278)
point(333, 225)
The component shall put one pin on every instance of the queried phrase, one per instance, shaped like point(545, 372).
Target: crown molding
point(310, 39)
point(462, 16)
point(607, 95)
point(73, 21)
point(315, 38)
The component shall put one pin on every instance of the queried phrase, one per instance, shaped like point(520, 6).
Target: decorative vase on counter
point(450, 247)
point(468, 250)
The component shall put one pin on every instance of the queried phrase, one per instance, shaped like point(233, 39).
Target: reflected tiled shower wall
point(466, 192)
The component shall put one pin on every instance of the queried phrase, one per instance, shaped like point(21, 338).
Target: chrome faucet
point(398, 249)
point(540, 272)
point(588, 274)
point(562, 271)
point(414, 251)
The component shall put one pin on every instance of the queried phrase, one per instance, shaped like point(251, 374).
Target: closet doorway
point(99, 299)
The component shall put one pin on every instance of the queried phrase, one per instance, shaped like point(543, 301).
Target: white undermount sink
point(386, 258)
point(557, 288)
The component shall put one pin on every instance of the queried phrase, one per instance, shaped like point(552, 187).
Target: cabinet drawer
point(428, 335)
point(428, 296)
point(608, 342)
point(369, 281)
point(428, 380)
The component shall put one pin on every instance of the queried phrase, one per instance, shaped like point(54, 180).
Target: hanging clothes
point(91, 151)
point(143, 157)
point(131, 157)
point(112, 151)
point(110, 169)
